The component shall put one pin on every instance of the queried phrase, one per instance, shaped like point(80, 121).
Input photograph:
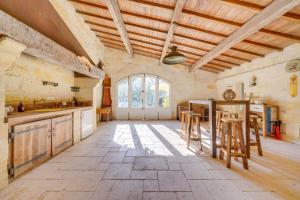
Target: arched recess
point(143, 97)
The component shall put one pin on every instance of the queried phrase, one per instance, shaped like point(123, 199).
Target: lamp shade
point(174, 57)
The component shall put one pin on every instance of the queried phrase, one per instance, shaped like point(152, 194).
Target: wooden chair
point(193, 124)
point(232, 139)
point(253, 119)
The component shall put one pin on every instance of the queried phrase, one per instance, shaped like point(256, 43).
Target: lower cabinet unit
point(62, 133)
point(30, 144)
point(34, 142)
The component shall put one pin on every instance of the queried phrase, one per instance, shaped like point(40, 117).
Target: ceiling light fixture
point(174, 57)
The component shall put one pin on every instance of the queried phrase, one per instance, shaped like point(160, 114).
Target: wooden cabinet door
point(31, 144)
point(62, 133)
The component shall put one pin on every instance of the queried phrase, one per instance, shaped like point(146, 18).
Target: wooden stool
point(194, 121)
point(253, 119)
point(184, 121)
point(107, 112)
point(232, 129)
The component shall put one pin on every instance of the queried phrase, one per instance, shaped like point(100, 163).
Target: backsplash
point(24, 81)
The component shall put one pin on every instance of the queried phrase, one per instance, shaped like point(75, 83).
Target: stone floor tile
point(66, 196)
point(144, 174)
point(118, 171)
point(103, 189)
point(150, 163)
point(114, 157)
point(185, 196)
point(174, 166)
point(151, 186)
point(195, 171)
point(200, 191)
point(159, 196)
point(127, 189)
point(128, 159)
point(172, 181)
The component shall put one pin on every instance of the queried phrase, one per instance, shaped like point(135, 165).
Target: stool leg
point(242, 144)
point(222, 143)
point(189, 127)
point(182, 121)
point(235, 142)
point(259, 149)
point(228, 147)
point(199, 131)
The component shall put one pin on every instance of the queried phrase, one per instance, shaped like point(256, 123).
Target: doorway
point(143, 97)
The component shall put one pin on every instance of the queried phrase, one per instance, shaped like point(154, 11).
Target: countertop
point(27, 116)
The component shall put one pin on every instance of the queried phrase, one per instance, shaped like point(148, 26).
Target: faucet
point(37, 101)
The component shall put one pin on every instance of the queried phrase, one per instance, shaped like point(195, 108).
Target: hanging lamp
point(174, 57)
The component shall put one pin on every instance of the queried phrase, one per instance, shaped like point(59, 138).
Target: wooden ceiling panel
point(195, 44)
point(206, 24)
point(218, 10)
point(142, 9)
point(196, 35)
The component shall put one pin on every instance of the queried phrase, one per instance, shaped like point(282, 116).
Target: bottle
point(21, 107)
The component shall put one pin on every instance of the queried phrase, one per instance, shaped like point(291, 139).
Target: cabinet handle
point(53, 129)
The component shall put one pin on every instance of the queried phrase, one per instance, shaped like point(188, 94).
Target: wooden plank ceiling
point(201, 26)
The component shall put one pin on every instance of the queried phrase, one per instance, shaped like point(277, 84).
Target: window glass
point(164, 94)
point(136, 92)
point(123, 93)
point(150, 91)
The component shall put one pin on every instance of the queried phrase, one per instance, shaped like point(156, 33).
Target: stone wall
point(10, 50)
point(272, 85)
point(24, 81)
point(185, 85)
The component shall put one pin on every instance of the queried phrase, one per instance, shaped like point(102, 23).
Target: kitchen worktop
point(32, 115)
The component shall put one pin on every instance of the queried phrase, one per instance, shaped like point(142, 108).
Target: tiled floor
point(149, 160)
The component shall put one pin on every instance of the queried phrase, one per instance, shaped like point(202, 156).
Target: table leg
point(248, 130)
point(212, 121)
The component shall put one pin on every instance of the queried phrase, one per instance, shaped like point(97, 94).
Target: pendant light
point(174, 57)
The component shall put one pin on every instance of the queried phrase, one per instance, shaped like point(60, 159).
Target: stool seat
point(227, 119)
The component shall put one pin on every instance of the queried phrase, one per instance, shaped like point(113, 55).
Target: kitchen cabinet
point(34, 142)
point(30, 145)
point(86, 123)
point(62, 133)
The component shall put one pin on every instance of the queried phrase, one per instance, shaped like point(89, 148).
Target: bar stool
point(232, 132)
point(193, 120)
point(253, 119)
point(184, 122)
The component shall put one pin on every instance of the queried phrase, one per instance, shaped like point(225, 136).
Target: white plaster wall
point(272, 85)
point(185, 85)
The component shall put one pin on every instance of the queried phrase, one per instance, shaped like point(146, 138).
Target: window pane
point(164, 94)
point(150, 91)
point(123, 94)
point(136, 92)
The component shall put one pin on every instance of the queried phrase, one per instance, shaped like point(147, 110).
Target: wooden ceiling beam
point(214, 68)
point(115, 13)
point(176, 15)
point(256, 7)
point(266, 16)
point(222, 21)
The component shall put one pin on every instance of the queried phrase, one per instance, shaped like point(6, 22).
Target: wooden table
point(212, 106)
